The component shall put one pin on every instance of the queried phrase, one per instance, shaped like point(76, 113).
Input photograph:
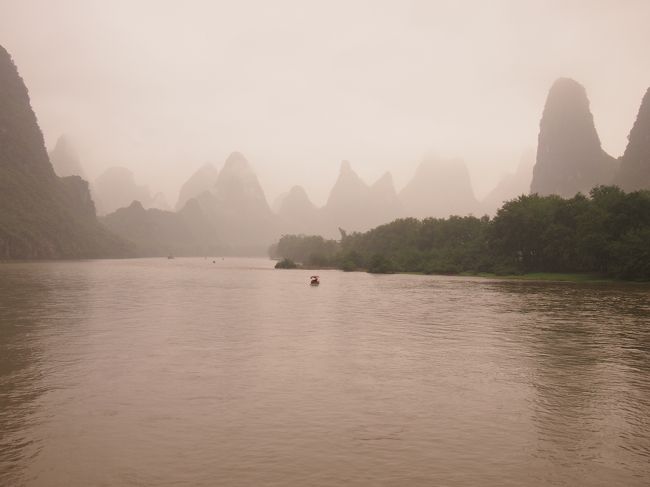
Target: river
point(202, 372)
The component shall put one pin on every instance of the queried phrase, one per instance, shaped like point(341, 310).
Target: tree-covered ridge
point(607, 233)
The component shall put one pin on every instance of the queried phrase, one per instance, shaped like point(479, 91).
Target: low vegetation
point(605, 234)
point(286, 264)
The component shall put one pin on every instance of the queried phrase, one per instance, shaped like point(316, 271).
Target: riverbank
point(545, 277)
point(531, 276)
point(551, 276)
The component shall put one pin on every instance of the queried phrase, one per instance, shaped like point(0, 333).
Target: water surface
point(186, 372)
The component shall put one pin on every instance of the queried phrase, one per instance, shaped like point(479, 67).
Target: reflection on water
point(36, 305)
point(188, 372)
point(588, 353)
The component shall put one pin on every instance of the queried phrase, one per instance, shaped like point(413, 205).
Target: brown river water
point(186, 372)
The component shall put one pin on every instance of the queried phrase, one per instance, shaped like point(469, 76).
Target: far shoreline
point(575, 277)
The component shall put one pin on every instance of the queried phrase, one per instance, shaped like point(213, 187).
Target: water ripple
point(186, 372)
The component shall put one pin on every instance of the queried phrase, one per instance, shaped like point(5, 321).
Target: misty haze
point(324, 243)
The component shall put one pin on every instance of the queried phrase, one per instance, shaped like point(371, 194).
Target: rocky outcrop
point(41, 215)
point(634, 173)
point(65, 160)
point(202, 180)
point(570, 158)
point(439, 188)
point(116, 188)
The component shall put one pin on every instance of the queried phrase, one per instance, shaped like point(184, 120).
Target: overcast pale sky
point(164, 86)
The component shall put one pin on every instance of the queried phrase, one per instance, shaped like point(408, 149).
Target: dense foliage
point(607, 233)
point(311, 250)
point(286, 264)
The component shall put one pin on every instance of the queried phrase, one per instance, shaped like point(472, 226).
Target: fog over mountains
point(570, 158)
point(634, 172)
point(42, 215)
point(511, 185)
point(202, 180)
point(297, 213)
point(65, 160)
point(230, 206)
point(224, 211)
point(440, 188)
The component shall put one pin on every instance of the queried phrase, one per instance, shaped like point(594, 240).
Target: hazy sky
point(164, 86)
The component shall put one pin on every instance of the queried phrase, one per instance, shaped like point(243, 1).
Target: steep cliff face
point(65, 160)
point(634, 173)
point(202, 180)
point(41, 215)
point(440, 188)
point(570, 158)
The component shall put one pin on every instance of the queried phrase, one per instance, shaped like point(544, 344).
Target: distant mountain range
point(115, 188)
point(45, 215)
point(569, 159)
point(238, 219)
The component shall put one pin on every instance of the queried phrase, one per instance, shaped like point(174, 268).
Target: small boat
point(170, 256)
point(314, 281)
